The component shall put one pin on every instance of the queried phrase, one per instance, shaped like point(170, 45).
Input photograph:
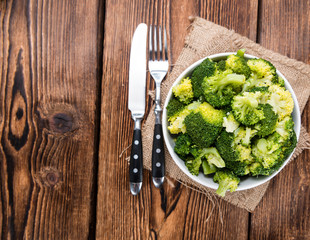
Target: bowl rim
point(180, 163)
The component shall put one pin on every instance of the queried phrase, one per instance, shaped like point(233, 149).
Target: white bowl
point(248, 181)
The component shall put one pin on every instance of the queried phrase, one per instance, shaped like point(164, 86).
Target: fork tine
point(155, 42)
point(165, 42)
point(150, 44)
point(160, 44)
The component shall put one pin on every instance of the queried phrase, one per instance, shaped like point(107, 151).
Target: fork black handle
point(158, 154)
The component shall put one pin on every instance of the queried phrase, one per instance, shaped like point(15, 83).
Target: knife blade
point(136, 104)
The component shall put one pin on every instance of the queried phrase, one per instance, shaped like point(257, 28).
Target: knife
point(136, 103)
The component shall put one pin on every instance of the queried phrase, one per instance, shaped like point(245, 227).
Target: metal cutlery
point(158, 69)
point(136, 103)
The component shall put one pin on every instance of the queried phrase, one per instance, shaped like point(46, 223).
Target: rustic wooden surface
point(50, 56)
point(63, 126)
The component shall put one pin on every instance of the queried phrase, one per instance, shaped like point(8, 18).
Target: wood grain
point(49, 81)
point(284, 212)
point(174, 211)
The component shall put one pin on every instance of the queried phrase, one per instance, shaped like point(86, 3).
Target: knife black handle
point(158, 154)
point(136, 163)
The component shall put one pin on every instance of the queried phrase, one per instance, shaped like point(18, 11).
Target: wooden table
point(64, 123)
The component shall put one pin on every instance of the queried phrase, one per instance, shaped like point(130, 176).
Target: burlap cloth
point(206, 38)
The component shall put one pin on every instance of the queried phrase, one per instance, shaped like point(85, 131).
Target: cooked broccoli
point(267, 125)
point(213, 157)
point(280, 81)
point(236, 156)
point(246, 108)
point(184, 91)
point(267, 150)
point(220, 88)
point(174, 107)
point(281, 101)
point(257, 169)
point(204, 124)
point(285, 128)
point(238, 64)
point(286, 149)
point(230, 123)
point(208, 168)
point(263, 89)
point(182, 145)
point(232, 118)
point(209, 155)
point(227, 180)
point(263, 69)
point(176, 121)
point(205, 69)
point(243, 135)
point(193, 165)
point(221, 65)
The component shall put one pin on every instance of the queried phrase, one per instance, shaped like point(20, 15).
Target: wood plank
point(284, 212)
point(49, 78)
point(174, 211)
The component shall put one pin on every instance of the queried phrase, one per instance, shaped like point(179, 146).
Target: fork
point(158, 69)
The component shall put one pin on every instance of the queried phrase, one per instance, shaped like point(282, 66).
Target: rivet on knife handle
point(136, 163)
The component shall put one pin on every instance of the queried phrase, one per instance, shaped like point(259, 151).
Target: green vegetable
point(222, 87)
point(208, 168)
point(205, 69)
point(174, 107)
point(204, 124)
point(176, 121)
point(193, 165)
point(184, 91)
point(238, 64)
point(182, 145)
point(236, 156)
point(246, 108)
point(232, 118)
point(227, 180)
point(267, 125)
point(263, 69)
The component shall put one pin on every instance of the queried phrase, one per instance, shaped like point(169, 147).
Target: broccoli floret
point(193, 165)
point(267, 125)
point(280, 81)
point(208, 168)
point(263, 69)
point(267, 150)
point(222, 87)
point(182, 145)
point(174, 107)
point(285, 128)
point(243, 136)
point(230, 123)
point(238, 64)
point(246, 108)
point(259, 89)
point(257, 169)
point(221, 65)
point(184, 91)
point(213, 157)
point(205, 69)
point(210, 156)
point(227, 180)
point(176, 121)
point(286, 149)
point(204, 124)
point(236, 156)
point(281, 101)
